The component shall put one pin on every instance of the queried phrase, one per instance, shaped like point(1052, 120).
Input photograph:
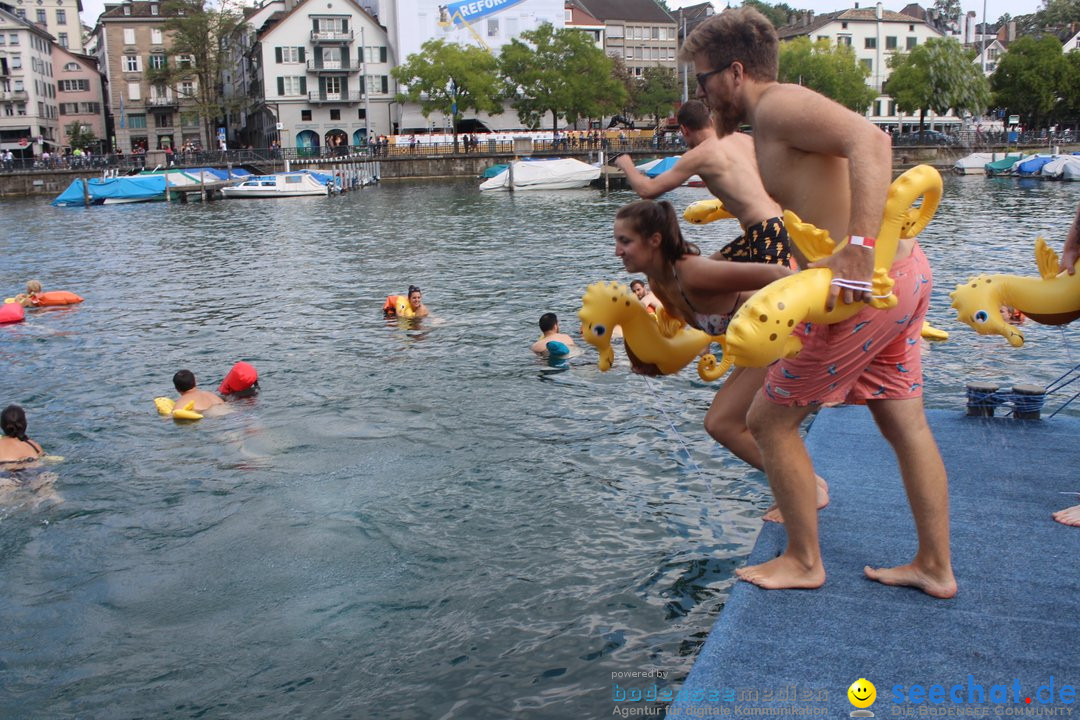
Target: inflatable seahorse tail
point(709, 370)
point(705, 211)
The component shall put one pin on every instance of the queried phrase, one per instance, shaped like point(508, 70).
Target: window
point(615, 31)
point(333, 86)
point(71, 67)
point(154, 9)
point(187, 88)
point(137, 122)
point(991, 54)
point(493, 27)
point(157, 61)
point(74, 85)
point(3, 37)
point(41, 16)
point(870, 43)
point(127, 9)
point(292, 85)
point(19, 87)
point(163, 120)
point(155, 36)
point(69, 108)
point(843, 26)
point(868, 64)
point(20, 108)
point(890, 42)
point(185, 62)
point(13, 39)
point(16, 62)
point(335, 114)
point(21, 13)
point(911, 28)
point(62, 38)
point(134, 90)
point(89, 108)
point(129, 36)
point(843, 40)
point(189, 120)
point(375, 54)
point(305, 116)
point(361, 114)
point(377, 84)
point(132, 63)
point(61, 17)
point(288, 54)
point(330, 25)
point(912, 42)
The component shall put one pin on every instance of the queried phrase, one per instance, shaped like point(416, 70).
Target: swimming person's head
point(415, 297)
point(33, 287)
point(13, 422)
point(647, 225)
point(548, 322)
point(183, 380)
point(638, 288)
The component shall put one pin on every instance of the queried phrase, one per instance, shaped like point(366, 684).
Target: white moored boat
point(558, 174)
point(293, 184)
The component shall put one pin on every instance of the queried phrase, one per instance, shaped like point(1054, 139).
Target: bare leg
point(726, 423)
point(903, 423)
point(791, 476)
point(1068, 516)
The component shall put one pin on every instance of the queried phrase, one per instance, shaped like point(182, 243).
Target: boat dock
point(1005, 645)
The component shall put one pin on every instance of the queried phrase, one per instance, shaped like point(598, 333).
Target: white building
point(318, 75)
point(29, 116)
point(60, 18)
point(875, 34)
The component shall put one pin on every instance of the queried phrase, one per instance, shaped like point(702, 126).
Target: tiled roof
point(139, 9)
point(853, 15)
point(631, 10)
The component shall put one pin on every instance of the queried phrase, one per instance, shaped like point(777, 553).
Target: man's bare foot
point(939, 586)
point(1068, 516)
point(783, 572)
point(773, 513)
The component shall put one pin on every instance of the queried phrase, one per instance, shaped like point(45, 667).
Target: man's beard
point(727, 118)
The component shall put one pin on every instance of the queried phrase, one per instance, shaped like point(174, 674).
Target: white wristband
point(866, 242)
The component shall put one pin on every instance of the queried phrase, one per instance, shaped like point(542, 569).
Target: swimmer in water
point(184, 381)
point(29, 298)
point(549, 332)
point(16, 448)
point(416, 302)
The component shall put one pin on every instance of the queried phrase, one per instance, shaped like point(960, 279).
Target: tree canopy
point(559, 72)
point(939, 75)
point(831, 70)
point(450, 79)
point(1030, 77)
point(777, 14)
point(658, 93)
point(79, 135)
point(197, 31)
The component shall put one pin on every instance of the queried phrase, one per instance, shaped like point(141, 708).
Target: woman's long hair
point(649, 216)
point(13, 422)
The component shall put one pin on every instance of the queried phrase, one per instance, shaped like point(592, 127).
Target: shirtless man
point(832, 167)
point(1069, 256)
point(728, 168)
point(184, 381)
point(549, 328)
point(647, 298)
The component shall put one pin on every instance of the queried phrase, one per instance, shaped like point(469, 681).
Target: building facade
point(131, 43)
point(80, 95)
point(875, 35)
point(638, 31)
point(29, 115)
point(317, 75)
point(59, 18)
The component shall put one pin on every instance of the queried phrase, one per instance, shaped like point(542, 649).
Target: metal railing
point(346, 96)
point(334, 36)
point(333, 67)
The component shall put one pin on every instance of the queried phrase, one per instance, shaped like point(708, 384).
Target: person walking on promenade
point(832, 167)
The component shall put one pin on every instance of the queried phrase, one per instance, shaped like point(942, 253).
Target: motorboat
point(290, 184)
point(556, 174)
point(973, 164)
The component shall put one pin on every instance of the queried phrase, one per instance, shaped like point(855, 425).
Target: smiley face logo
point(862, 693)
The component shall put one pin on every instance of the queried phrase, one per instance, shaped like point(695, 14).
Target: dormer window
point(154, 9)
point(127, 9)
point(843, 25)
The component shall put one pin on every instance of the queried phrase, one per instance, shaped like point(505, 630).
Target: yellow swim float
point(1051, 299)
point(660, 340)
point(167, 406)
point(760, 332)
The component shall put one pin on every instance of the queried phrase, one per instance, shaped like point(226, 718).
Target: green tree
point(777, 14)
point(831, 70)
point(1029, 78)
point(450, 79)
point(939, 75)
point(79, 135)
point(659, 93)
point(1068, 111)
point(198, 30)
point(949, 9)
point(561, 72)
point(1057, 13)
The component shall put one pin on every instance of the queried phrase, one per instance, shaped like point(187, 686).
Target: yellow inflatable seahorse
point(1051, 299)
point(664, 342)
point(761, 330)
point(706, 211)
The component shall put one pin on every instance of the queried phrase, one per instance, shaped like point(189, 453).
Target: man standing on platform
point(831, 167)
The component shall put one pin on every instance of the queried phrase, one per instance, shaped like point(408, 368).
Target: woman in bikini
point(703, 293)
point(15, 447)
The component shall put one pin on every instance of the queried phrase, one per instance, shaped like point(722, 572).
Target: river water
point(408, 522)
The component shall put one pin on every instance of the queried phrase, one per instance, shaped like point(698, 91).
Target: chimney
point(1012, 30)
point(856, 6)
point(878, 11)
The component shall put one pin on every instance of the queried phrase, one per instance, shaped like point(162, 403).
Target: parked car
point(926, 137)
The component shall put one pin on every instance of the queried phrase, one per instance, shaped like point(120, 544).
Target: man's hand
point(617, 158)
point(853, 262)
point(1069, 256)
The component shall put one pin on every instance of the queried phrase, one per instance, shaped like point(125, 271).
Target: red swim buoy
point(389, 309)
point(11, 313)
point(241, 377)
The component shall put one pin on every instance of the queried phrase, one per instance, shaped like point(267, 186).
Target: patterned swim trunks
point(766, 242)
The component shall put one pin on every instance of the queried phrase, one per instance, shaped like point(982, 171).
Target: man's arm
point(1072, 246)
point(649, 188)
point(720, 275)
point(807, 121)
